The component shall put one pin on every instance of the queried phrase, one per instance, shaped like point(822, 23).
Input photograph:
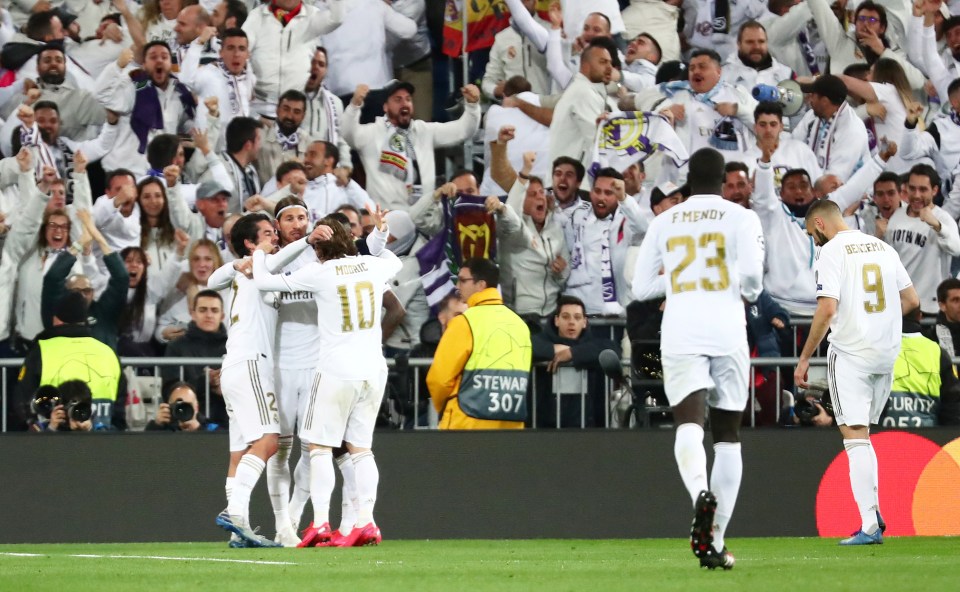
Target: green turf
point(775, 564)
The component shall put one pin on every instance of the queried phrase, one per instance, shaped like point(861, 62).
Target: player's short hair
point(161, 150)
point(925, 170)
point(954, 85)
point(206, 294)
point(823, 208)
point(40, 24)
point(294, 96)
point(234, 32)
point(706, 174)
point(576, 164)
point(751, 24)
point(330, 150)
point(943, 290)
point(608, 173)
point(348, 208)
point(888, 177)
point(735, 166)
point(569, 300)
point(241, 130)
point(608, 44)
point(290, 200)
point(246, 229)
point(483, 269)
point(238, 10)
point(768, 108)
point(795, 173)
point(516, 85)
point(341, 218)
point(156, 43)
point(109, 177)
point(46, 105)
point(287, 166)
point(713, 55)
point(341, 244)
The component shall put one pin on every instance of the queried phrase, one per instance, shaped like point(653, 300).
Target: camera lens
point(79, 410)
point(181, 411)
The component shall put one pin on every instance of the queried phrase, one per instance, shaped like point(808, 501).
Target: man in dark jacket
point(104, 311)
point(68, 351)
point(947, 330)
point(570, 348)
point(181, 412)
point(206, 337)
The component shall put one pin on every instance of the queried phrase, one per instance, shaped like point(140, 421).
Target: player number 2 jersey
point(865, 276)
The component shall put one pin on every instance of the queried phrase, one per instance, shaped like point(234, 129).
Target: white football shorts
point(858, 396)
point(724, 377)
point(343, 410)
point(293, 387)
point(251, 403)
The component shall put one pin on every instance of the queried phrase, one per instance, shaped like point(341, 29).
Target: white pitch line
point(155, 557)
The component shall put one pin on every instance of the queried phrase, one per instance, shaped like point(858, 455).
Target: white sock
point(691, 458)
point(301, 486)
point(368, 477)
point(863, 482)
point(725, 484)
point(348, 507)
point(322, 481)
point(876, 474)
point(278, 483)
point(248, 473)
point(228, 487)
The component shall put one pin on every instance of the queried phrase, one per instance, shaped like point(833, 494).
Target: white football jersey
point(253, 322)
point(349, 296)
point(865, 276)
point(711, 254)
point(298, 342)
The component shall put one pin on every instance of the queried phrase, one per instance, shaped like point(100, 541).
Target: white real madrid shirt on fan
point(790, 154)
point(349, 296)
point(711, 254)
point(865, 276)
point(840, 144)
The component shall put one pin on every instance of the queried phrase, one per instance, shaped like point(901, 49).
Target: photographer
point(66, 408)
point(812, 408)
point(181, 412)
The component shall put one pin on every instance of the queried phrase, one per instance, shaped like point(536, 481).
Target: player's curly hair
point(341, 244)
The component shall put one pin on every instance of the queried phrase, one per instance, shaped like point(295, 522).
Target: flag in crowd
point(626, 137)
point(468, 231)
point(485, 18)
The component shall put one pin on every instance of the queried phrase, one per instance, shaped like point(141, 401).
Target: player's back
point(865, 274)
point(706, 243)
point(349, 301)
point(253, 322)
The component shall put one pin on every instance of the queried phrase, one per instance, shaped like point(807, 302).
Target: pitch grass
point(769, 564)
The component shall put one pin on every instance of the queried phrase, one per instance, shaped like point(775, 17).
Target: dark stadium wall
point(545, 484)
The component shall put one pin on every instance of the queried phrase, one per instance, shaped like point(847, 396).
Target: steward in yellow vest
point(481, 369)
point(68, 351)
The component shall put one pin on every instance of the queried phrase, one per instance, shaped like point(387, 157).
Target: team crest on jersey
point(396, 143)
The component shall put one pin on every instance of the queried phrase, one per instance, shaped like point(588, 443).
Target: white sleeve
point(827, 270)
point(114, 89)
point(949, 236)
point(377, 241)
point(556, 64)
point(301, 280)
point(903, 278)
point(852, 191)
point(283, 257)
point(648, 283)
point(528, 26)
point(750, 254)
point(222, 277)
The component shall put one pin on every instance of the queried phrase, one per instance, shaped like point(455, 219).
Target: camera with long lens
point(181, 411)
point(48, 397)
point(805, 407)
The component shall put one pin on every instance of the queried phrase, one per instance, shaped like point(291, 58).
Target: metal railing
point(417, 366)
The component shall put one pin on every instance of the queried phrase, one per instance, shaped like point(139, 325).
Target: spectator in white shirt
point(324, 114)
point(283, 35)
point(514, 54)
point(752, 63)
point(531, 136)
point(285, 139)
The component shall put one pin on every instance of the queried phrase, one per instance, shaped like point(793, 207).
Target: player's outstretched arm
point(267, 282)
point(223, 276)
point(750, 249)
